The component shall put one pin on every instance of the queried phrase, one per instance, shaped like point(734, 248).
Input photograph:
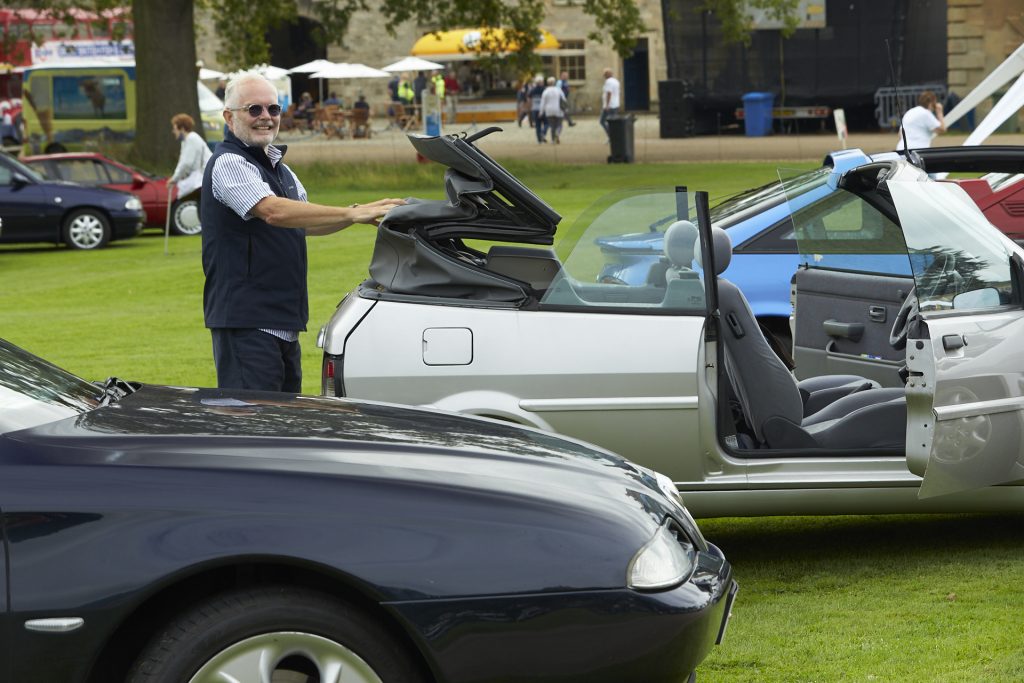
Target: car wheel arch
point(195, 584)
point(493, 405)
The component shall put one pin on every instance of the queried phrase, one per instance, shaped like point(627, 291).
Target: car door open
point(965, 392)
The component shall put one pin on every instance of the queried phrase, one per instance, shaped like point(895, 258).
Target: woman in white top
point(923, 122)
point(188, 175)
point(551, 101)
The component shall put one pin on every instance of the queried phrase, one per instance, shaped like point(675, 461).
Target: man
point(192, 159)
point(536, 118)
point(451, 93)
point(551, 102)
point(563, 83)
point(419, 84)
point(923, 122)
point(609, 99)
point(255, 221)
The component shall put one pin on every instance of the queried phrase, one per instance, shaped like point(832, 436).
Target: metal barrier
point(892, 103)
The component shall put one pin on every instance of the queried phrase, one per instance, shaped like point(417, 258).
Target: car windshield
point(741, 206)
point(17, 166)
point(623, 217)
point(34, 392)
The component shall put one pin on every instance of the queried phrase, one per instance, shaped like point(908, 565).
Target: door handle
point(876, 314)
point(952, 342)
point(851, 331)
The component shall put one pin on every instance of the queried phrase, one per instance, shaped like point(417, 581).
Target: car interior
point(771, 410)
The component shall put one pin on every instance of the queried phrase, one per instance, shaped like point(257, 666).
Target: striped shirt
point(237, 184)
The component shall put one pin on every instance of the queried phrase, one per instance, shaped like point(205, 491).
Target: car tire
point(273, 633)
point(55, 148)
point(86, 229)
point(185, 217)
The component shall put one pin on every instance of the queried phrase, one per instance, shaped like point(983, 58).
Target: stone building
point(369, 43)
point(979, 35)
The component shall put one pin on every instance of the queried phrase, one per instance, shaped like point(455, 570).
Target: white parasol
point(414, 64)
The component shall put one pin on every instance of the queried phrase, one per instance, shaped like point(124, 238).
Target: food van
point(71, 107)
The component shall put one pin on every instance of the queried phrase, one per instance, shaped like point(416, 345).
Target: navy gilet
point(255, 273)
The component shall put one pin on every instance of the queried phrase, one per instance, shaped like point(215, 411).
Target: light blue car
point(758, 221)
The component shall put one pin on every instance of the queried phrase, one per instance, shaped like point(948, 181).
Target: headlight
point(133, 204)
point(667, 560)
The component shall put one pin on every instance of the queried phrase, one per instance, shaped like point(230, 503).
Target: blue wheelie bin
point(757, 113)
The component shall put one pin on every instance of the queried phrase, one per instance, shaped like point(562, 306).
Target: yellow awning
point(464, 44)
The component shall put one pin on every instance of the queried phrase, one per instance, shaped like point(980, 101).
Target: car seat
point(775, 406)
point(683, 286)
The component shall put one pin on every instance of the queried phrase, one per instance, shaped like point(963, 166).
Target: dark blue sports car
point(173, 535)
point(34, 209)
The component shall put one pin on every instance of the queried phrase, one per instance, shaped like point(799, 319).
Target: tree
point(165, 53)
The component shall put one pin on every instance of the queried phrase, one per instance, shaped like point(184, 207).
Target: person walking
point(536, 117)
point(523, 103)
point(451, 93)
point(256, 218)
point(923, 122)
point(192, 159)
point(551, 102)
point(563, 83)
point(610, 94)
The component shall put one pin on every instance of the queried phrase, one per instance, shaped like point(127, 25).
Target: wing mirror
point(19, 179)
point(138, 182)
point(977, 298)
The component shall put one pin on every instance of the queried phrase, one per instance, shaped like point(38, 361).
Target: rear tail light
point(331, 376)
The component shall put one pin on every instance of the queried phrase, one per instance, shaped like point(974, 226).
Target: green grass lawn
point(903, 598)
point(130, 309)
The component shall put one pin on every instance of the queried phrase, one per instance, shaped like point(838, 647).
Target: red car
point(91, 168)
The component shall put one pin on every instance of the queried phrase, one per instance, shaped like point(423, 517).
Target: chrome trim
point(548, 405)
point(55, 624)
point(976, 408)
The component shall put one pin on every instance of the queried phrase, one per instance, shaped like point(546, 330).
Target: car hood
point(267, 431)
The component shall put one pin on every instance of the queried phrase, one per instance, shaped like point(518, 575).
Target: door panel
point(625, 382)
point(842, 324)
point(966, 402)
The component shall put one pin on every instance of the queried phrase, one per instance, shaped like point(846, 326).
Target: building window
point(572, 58)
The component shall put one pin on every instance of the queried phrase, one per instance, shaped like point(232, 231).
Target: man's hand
point(372, 213)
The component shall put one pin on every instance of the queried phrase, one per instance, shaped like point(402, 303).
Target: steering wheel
point(904, 318)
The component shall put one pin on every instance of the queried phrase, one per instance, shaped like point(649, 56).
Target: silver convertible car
point(903, 390)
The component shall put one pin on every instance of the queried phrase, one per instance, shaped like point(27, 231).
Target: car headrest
point(679, 242)
point(722, 246)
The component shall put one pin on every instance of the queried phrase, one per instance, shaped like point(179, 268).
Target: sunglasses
point(256, 109)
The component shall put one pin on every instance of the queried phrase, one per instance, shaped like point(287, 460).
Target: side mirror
point(19, 179)
point(138, 182)
point(977, 298)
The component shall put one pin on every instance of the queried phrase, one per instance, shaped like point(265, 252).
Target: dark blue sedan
point(37, 210)
point(167, 534)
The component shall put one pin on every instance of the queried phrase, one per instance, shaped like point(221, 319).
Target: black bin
point(620, 132)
